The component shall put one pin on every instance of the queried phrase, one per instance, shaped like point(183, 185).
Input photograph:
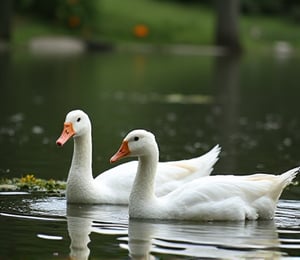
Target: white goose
point(208, 198)
point(110, 187)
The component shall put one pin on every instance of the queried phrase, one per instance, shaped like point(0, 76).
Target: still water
point(248, 105)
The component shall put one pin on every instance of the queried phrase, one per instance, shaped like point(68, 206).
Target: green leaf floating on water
point(32, 184)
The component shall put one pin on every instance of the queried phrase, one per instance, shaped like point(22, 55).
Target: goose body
point(208, 198)
point(114, 185)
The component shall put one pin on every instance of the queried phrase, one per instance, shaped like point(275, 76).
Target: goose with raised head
point(218, 197)
point(110, 187)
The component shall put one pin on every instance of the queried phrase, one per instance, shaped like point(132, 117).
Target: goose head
point(77, 123)
point(137, 143)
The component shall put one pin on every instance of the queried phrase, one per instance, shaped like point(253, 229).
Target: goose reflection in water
point(79, 230)
point(212, 240)
point(254, 239)
point(82, 220)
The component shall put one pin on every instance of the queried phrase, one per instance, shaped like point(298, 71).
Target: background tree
point(227, 25)
point(6, 13)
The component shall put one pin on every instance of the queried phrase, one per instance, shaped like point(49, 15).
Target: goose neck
point(143, 187)
point(82, 155)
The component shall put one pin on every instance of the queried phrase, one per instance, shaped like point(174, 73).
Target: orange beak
point(123, 151)
point(66, 134)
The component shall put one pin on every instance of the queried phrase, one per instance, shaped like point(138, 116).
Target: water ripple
point(278, 238)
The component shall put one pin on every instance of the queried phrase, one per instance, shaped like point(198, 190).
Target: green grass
point(26, 28)
point(269, 30)
point(168, 23)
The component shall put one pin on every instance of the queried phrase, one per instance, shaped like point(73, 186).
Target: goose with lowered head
point(110, 187)
point(208, 198)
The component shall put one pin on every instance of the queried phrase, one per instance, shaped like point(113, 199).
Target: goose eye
point(136, 138)
point(78, 119)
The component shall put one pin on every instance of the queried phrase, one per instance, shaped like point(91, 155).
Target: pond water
point(37, 227)
point(248, 105)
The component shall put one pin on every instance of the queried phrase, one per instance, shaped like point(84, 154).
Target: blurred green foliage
point(85, 12)
point(166, 21)
point(74, 14)
point(287, 8)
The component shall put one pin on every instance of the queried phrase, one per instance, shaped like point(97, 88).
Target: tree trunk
point(6, 13)
point(227, 31)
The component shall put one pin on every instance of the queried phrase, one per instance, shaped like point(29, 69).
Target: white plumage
point(208, 198)
point(113, 186)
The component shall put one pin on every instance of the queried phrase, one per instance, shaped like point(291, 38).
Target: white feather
point(113, 186)
point(207, 198)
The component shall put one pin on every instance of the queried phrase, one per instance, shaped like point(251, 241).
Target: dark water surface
point(34, 227)
point(250, 106)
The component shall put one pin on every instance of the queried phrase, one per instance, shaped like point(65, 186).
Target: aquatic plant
point(30, 183)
